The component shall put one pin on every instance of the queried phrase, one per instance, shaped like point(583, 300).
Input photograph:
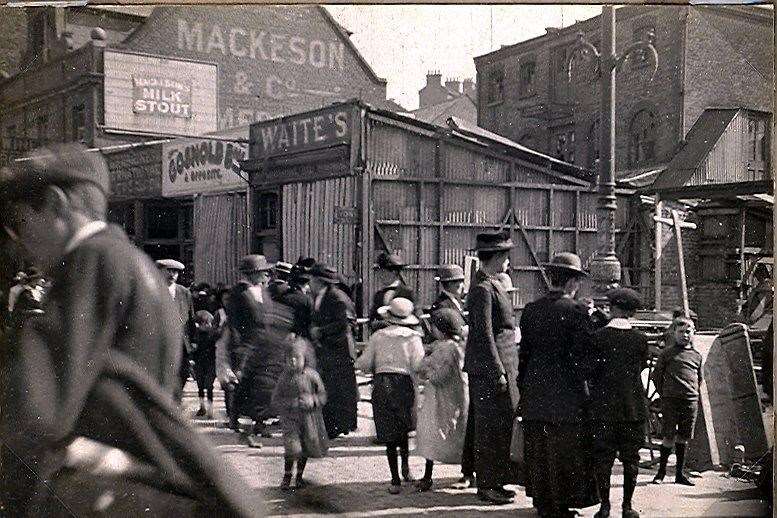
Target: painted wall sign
point(272, 61)
point(302, 132)
point(159, 95)
point(162, 96)
point(201, 166)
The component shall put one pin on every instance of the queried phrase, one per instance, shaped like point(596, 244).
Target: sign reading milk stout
point(161, 96)
point(201, 166)
point(307, 131)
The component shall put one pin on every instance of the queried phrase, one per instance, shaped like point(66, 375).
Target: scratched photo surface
point(379, 143)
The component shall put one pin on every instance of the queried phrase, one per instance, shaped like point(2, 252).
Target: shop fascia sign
point(303, 132)
point(201, 166)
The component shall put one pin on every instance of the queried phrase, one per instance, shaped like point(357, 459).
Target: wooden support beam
point(670, 222)
point(534, 254)
point(657, 255)
point(678, 233)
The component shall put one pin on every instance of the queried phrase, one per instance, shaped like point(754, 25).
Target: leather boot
point(665, 451)
point(680, 477)
point(630, 473)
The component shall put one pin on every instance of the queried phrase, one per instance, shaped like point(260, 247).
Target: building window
point(594, 134)
point(641, 59)
point(757, 139)
point(267, 211)
point(496, 81)
point(123, 215)
point(642, 139)
point(564, 144)
point(79, 123)
point(560, 76)
point(526, 78)
point(41, 127)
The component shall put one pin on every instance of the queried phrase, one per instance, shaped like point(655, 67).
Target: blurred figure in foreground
point(89, 423)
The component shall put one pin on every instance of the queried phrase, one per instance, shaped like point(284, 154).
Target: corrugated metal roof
point(700, 140)
point(141, 10)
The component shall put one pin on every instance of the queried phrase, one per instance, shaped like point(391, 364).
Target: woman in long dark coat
point(555, 344)
point(333, 313)
point(490, 312)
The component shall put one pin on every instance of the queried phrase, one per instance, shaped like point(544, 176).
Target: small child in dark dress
point(394, 354)
point(678, 377)
point(204, 357)
point(298, 397)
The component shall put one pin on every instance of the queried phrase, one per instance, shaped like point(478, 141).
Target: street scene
point(386, 260)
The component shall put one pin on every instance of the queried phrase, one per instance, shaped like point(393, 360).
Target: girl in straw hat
point(394, 354)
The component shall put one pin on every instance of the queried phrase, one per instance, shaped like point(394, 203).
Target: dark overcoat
point(490, 312)
point(554, 366)
point(245, 315)
point(445, 300)
point(101, 363)
point(383, 297)
point(336, 353)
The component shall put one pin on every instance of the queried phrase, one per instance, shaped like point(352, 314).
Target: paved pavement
point(353, 481)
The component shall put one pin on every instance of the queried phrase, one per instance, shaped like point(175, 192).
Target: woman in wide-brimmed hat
point(555, 345)
point(490, 314)
point(331, 330)
point(394, 354)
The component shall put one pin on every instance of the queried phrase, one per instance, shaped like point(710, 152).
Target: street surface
point(353, 481)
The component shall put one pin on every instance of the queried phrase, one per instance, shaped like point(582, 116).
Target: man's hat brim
point(170, 264)
point(568, 268)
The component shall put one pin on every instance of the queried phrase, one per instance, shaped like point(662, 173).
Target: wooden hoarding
point(160, 95)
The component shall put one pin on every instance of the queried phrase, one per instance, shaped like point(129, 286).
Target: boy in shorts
point(678, 376)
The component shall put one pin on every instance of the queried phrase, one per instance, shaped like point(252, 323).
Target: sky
point(404, 42)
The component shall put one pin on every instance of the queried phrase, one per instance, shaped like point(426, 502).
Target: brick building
point(80, 72)
point(708, 56)
point(695, 138)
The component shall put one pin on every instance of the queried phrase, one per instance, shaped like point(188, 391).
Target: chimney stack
point(434, 78)
point(469, 88)
point(454, 86)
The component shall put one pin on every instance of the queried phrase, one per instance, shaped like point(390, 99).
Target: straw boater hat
point(254, 263)
point(390, 261)
point(399, 311)
point(493, 242)
point(569, 262)
point(449, 273)
point(282, 268)
point(170, 264)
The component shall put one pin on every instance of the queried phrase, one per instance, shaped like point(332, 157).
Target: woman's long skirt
point(559, 466)
point(493, 428)
point(393, 399)
point(342, 393)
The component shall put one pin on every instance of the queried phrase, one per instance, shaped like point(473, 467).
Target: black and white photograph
point(386, 260)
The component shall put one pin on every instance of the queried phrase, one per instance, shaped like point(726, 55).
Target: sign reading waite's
point(303, 132)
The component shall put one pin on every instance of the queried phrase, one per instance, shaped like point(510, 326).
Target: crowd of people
point(97, 368)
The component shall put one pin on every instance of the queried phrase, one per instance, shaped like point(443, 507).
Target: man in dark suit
point(553, 374)
point(390, 267)
point(333, 317)
point(182, 298)
point(618, 406)
point(98, 366)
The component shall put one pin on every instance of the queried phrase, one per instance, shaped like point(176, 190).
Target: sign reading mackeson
point(201, 166)
point(303, 132)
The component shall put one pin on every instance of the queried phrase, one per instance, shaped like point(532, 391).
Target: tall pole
point(605, 267)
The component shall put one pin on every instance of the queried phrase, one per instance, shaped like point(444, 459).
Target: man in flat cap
point(618, 406)
point(182, 298)
point(93, 375)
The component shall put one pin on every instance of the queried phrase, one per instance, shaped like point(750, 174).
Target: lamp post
point(605, 267)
